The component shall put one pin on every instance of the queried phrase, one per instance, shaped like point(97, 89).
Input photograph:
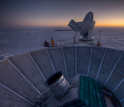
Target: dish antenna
point(85, 27)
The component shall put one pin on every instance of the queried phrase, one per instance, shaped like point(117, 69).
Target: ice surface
point(18, 42)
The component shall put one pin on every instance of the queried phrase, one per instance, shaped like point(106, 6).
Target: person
point(46, 44)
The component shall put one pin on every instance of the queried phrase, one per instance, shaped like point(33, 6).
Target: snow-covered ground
point(18, 42)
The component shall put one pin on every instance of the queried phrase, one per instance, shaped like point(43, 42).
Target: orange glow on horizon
point(65, 23)
point(110, 23)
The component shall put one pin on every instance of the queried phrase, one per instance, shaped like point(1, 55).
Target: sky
point(24, 13)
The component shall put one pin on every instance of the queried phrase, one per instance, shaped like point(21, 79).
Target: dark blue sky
point(60, 12)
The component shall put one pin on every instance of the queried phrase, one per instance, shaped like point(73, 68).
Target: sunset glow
point(110, 24)
point(59, 13)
